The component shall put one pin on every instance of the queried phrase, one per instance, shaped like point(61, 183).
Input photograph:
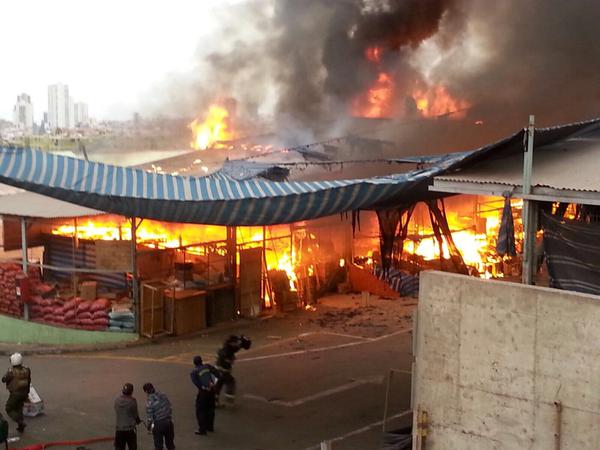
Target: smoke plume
point(302, 64)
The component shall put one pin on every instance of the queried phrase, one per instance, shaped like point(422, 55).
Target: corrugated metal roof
point(568, 164)
point(30, 204)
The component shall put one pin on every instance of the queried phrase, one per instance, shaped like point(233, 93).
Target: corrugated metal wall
point(59, 252)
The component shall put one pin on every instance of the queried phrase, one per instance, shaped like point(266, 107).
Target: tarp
point(214, 199)
point(572, 254)
point(506, 233)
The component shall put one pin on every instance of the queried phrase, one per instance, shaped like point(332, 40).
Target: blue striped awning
point(214, 199)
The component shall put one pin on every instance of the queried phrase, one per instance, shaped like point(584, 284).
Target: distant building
point(81, 114)
point(59, 106)
point(23, 113)
point(71, 113)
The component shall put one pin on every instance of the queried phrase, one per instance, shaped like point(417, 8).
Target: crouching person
point(159, 418)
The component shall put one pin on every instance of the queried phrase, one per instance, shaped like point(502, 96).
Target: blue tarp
point(214, 199)
point(220, 199)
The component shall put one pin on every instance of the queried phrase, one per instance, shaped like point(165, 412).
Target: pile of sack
point(123, 320)
point(8, 293)
point(75, 313)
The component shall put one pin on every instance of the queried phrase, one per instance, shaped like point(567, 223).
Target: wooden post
point(25, 261)
point(529, 226)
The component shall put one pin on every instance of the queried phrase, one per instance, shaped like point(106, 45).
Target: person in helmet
point(225, 360)
point(128, 418)
point(18, 383)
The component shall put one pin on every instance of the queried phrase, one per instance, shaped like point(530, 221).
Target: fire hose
point(65, 443)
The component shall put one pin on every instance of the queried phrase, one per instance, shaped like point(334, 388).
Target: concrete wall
point(22, 332)
point(493, 357)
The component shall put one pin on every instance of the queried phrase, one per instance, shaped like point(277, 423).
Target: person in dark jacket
point(18, 383)
point(128, 418)
point(204, 376)
point(225, 360)
point(159, 418)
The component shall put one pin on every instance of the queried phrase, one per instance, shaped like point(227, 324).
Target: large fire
point(436, 101)
point(214, 129)
point(380, 99)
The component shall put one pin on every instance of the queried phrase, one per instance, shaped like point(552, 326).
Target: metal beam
point(529, 208)
point(542, 194)
point(25, 261)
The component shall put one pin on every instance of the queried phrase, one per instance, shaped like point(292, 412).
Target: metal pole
point(134, 280)
point(25, 262)
point(528, 209)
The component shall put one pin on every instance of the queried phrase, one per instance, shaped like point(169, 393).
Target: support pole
point(528, 217)
point(25, 261)
point(134, 278)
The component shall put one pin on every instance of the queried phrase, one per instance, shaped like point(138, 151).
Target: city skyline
point(115, 62)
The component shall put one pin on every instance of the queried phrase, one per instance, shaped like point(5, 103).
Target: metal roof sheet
point(30, 204)
point(568, 164)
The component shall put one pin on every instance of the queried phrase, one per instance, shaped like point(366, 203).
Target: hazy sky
point(109, 52)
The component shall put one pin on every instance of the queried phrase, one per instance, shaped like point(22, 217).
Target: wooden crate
point(152, 309)
point(186, 310)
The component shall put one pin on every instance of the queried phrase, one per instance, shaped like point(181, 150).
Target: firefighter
point(18, 383)
point(204, 377)
point(225, 360)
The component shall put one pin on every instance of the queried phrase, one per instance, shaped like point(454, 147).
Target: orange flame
point(373, 54)
point(215, 128)
point(377, 102)
point(436, 101)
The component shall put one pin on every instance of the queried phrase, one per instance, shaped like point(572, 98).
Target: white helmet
point(16, 359)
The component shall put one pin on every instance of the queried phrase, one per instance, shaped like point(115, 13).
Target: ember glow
point(214, 129)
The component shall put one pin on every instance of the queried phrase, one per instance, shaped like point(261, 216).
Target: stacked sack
point(75, 313)
point(121, 320)
point(93, 315)
point(8, 293)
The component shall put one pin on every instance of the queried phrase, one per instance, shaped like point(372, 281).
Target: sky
point(111, 53)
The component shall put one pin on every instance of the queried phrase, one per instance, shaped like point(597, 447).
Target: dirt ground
point(351, 314)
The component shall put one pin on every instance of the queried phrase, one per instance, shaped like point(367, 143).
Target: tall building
point(23, 113)
point(81, 114)
point(58, 106)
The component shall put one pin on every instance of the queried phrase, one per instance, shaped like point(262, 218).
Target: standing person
point(18, 383)
point(203, 376)
point(159, 418)
point(126, 409)
point(225, 360)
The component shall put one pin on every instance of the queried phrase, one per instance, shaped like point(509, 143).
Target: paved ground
point(301, 383)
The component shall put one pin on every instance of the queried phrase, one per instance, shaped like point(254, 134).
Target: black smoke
point(304, 62)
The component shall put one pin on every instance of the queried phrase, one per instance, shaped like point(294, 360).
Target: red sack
point(101, 322)
point(85, 315)
point(102, 304)
point(100, 314)
point(70, 315)
point(84, 306)
point(72, 304)
point(85, 322)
